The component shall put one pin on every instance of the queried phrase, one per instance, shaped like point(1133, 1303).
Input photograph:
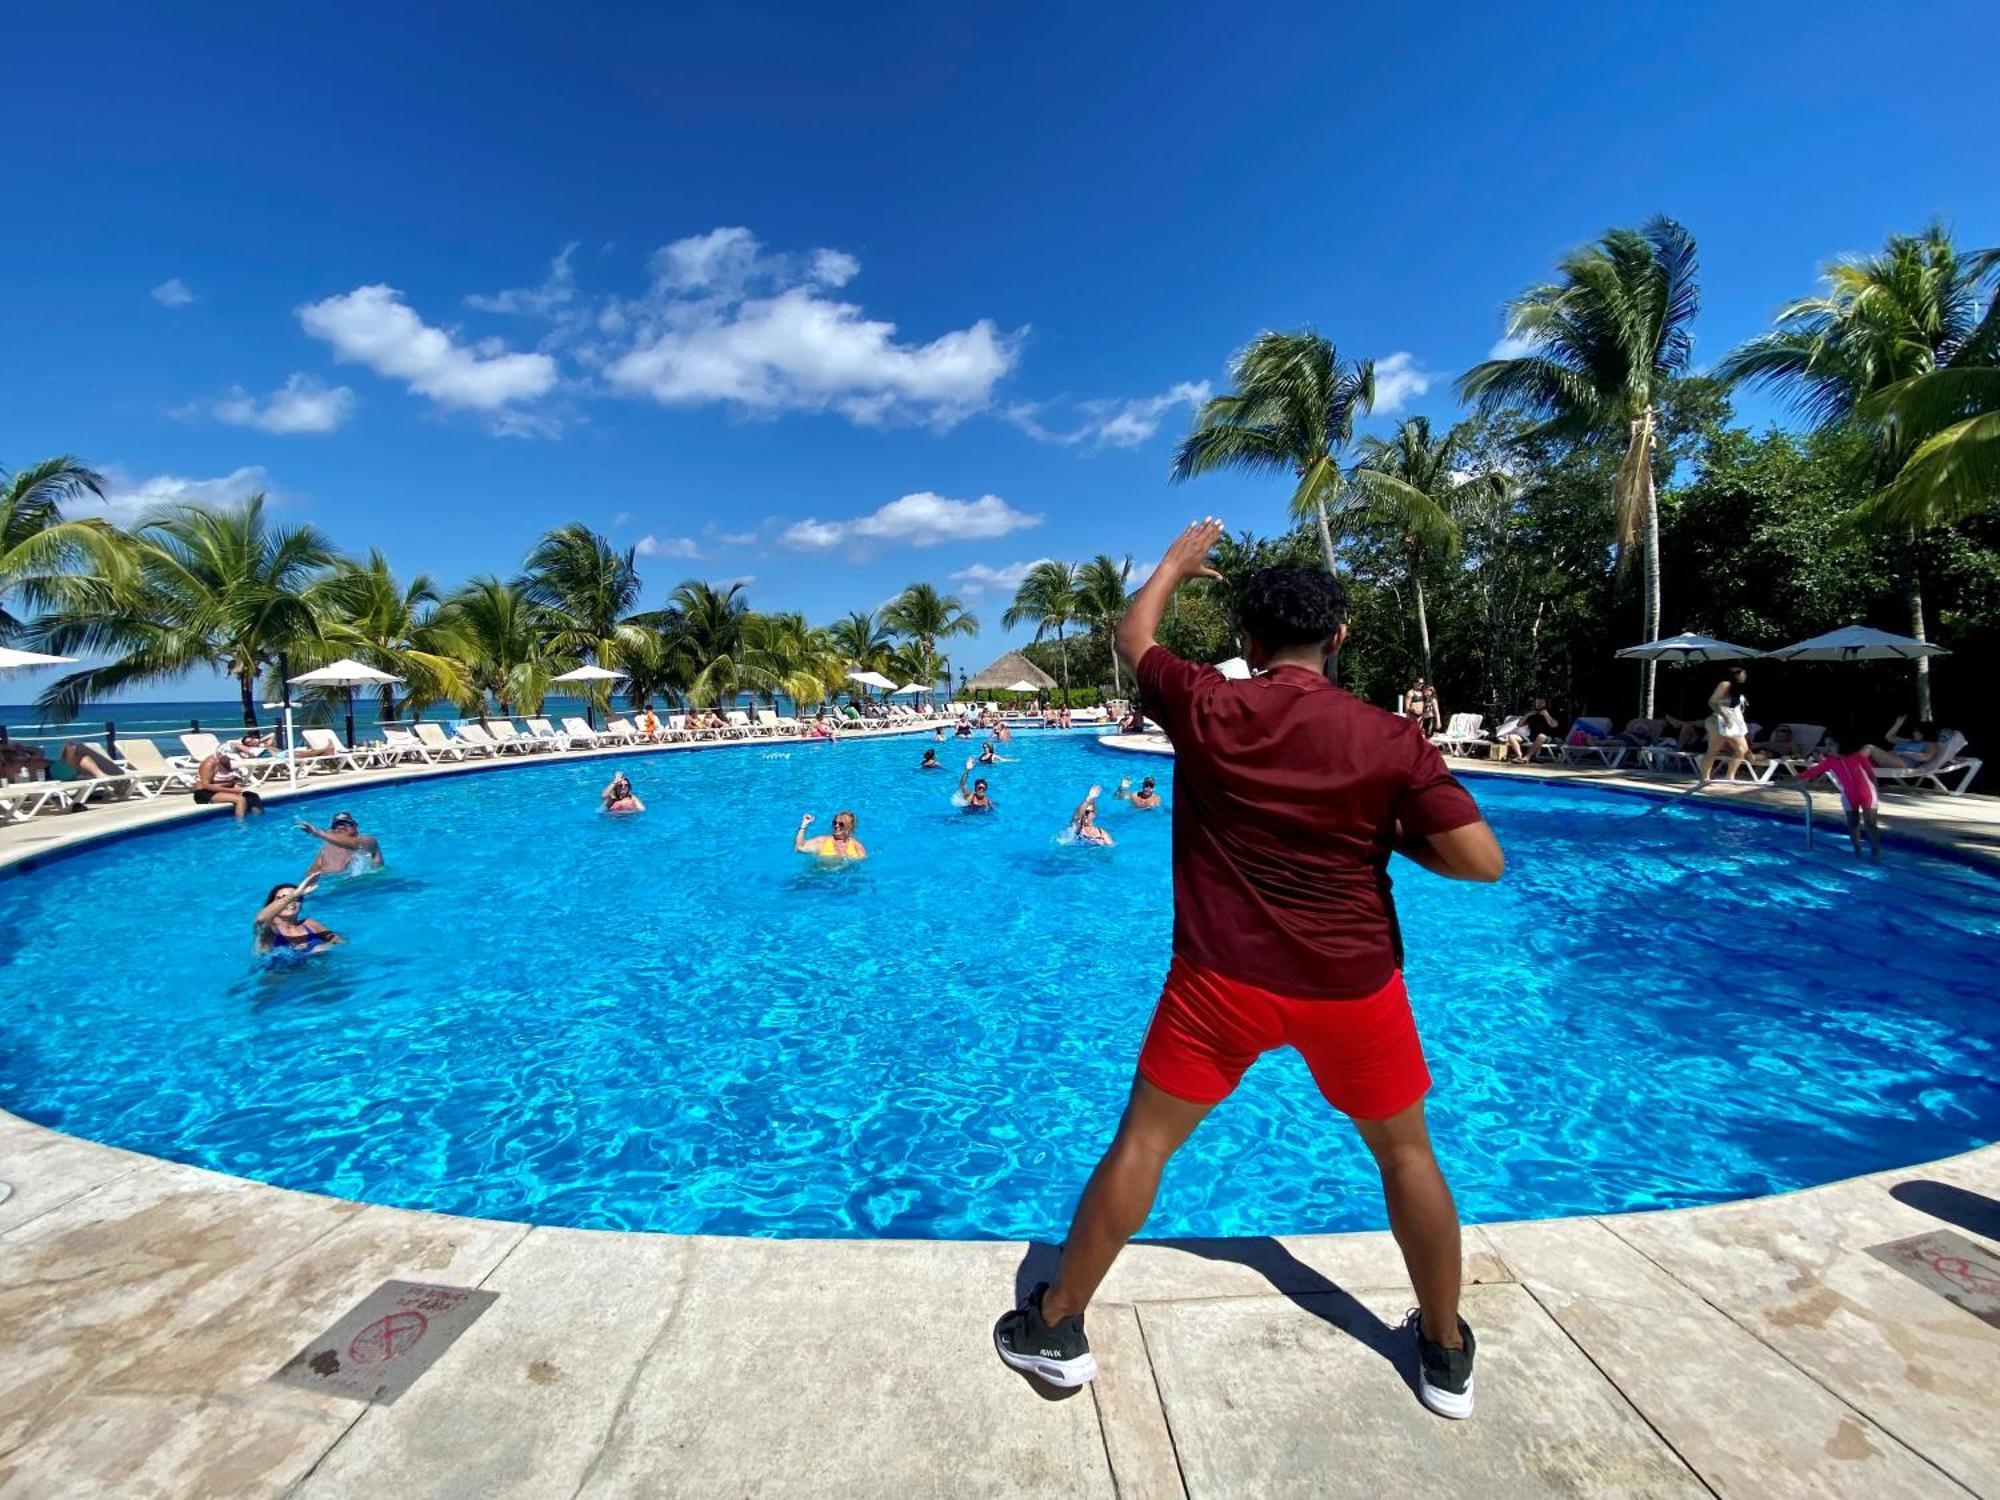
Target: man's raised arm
point(1186, 558)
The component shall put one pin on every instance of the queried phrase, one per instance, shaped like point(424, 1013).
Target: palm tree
point(1292, 411)
point(586, 588)
point(36, 543)
point(795, 658)
point(501, 631)
point(206, 588)
point(1049, 596)
point(1605, 339)
point(862, 639)
point(923, 616)
point(1861, 350)
point(396, 628)
point(1412, 483)
point(718, 657)
point(1101, 599)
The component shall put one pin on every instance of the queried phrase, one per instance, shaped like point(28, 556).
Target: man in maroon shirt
point(1289, 797)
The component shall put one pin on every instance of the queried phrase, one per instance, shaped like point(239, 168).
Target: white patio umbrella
point(590, 672)
point(1024, 686)
point(908, 688)
point(345, 673)
point(872, 679)
point(12, 660)
point(1857, 643)
point(1687, 646)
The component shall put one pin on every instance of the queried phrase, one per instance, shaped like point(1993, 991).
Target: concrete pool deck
point(1754, 1348)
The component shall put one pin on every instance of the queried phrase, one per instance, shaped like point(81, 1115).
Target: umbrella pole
point(350, 718)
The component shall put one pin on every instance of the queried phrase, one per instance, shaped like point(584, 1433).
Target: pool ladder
point(1806, 792)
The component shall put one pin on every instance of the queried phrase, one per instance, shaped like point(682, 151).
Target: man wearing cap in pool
point(1289, 798)
point(343, 847)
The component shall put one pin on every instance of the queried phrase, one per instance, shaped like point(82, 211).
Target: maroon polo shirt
point(1287, 793)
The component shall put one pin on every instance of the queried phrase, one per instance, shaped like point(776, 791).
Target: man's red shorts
point(1364, 1053)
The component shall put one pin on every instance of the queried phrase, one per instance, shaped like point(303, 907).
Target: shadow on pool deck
point(1974, 1212)
point(1289, 1276)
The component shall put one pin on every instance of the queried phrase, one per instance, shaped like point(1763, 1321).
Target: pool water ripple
point(674, 1023)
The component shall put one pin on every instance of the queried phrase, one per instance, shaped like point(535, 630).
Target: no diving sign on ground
point(1952, 1266)
point(385, 1341)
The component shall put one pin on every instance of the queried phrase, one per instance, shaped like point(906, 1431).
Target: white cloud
point(919, 520)
point(1122, 423)
point(301, 405)
point(727, 538)
point(557, 291)
point(373, 326)
point(621, 518)
point(727, 322)
point(173, 292)
point(979, 578)
point(1509, 347)
point(126, 498)
point(1397, 379)
point(672, 546)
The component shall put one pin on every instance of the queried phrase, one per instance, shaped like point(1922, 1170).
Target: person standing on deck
point(1290, 797)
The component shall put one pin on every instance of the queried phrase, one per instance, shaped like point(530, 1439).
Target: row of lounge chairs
point(146, 772)
point(1788, 750)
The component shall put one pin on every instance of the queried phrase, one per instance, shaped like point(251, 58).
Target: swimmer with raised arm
point(840, 845)
point(619, 797)
point(974, 798)
point(344, 848)
point(282, 926)
point(1145, 799)
point(1083, 823)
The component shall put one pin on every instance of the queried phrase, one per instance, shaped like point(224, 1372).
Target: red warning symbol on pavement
point(388, 1337)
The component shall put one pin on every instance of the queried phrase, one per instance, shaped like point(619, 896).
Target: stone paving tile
point(1699, 1378)
point(1259, 1265)
point(1128, 1405)
point(180, 1405)
point(524, 1402)
point(1796, 1273)
point(785, 1371)
point(1268, 1398)
point(44, 1169)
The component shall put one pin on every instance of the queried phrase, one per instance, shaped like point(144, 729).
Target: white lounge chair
point(1461, 734)
point(581, 733)
point(22, 800)
point(548, 734)
point(621, 732)
point(346, 759)
point(255, 769)
point(440, 745)
point(508, 736)
point(740, 727)
point(1610, 752)
point(1947, 761)
point(400, 745)
point(478, 742)
point(142, 758)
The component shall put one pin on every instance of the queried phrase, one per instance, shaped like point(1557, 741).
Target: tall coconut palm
point(1883, 323)
point(863, 640)
point(36, 543)
point(792, 657)
point(585, 588)
point(1604, 340)
point(921, 614)
point(1048, 596)
point(501, 631)
point(719, 655)
point(1292, 412)
point(1412, 483)
point(216, 588)
point(397, 628)
point(1102, 590)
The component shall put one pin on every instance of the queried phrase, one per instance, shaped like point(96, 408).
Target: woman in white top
point(1728, 732)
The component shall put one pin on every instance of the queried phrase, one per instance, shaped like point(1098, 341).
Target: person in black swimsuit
point(282, 926)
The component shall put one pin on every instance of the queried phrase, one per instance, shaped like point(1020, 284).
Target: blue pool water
point(671, 1022)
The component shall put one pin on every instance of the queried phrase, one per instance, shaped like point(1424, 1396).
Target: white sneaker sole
point(1454, 1404)
point(1067, 1373)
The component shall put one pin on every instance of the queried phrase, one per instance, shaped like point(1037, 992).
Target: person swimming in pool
point(930, 762)
point(619, 797)
point(283, 927)
point(344, 848)
point(973, 798)
point(1083, 824)
point(1145, 799)
point(988, 756)
point(841, 844)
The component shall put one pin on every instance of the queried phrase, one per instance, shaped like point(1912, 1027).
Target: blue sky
point(839, 302)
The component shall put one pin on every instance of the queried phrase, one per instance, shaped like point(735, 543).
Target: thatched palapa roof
point(1010, 669)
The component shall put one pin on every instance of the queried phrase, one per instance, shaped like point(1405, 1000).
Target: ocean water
point(673, 1022)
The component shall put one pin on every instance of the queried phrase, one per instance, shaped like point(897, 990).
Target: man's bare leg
point(1422, 1216)
point(1120, 1194)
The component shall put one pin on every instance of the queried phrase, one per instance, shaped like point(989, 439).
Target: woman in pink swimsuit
point(1854, 774)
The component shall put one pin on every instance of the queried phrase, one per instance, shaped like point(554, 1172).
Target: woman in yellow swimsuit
point(841, 844)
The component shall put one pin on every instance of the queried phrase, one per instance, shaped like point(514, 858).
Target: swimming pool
point(671, 1023)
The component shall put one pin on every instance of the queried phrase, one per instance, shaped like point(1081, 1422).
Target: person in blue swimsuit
point(282, 926)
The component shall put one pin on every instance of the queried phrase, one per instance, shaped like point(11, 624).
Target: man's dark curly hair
point(1284, 607)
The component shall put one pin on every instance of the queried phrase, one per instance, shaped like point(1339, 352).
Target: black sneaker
point(1058, 1353)
point(1444, 1376)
